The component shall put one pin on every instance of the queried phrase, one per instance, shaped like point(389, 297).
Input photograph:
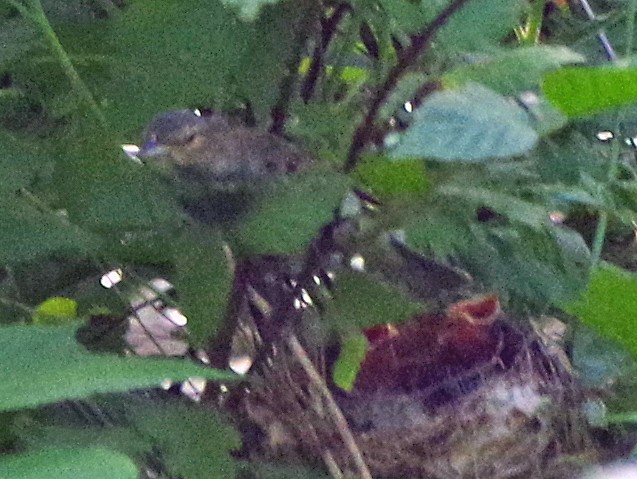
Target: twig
point(328, 30)
point(601, 35)
point(407, 59)
point(280, 109)
point(333, 409)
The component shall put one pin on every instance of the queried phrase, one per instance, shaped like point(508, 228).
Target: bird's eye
point(191, 138)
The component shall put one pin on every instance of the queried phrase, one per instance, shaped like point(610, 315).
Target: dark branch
point(408, 58)
point(328, 30)
point(278, 114)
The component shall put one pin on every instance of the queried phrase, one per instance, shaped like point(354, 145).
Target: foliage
point(473, 139)
point(62, 463)
point(58, 368)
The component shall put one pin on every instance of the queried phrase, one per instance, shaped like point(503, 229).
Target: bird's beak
point(152, 149)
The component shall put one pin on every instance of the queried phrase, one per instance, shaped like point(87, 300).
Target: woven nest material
point(513, 415)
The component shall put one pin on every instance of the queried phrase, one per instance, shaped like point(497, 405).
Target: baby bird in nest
point(215, 151)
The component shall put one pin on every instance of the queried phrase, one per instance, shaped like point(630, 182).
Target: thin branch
point(328, 30)
point(407, 59)
point(334, 411)
point(306, 23)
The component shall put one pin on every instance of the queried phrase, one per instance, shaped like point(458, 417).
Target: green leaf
point(204, 281)
point(17, 36)
point(563, 161)
point(55, 311)
point(514, 208)
point(290, 211)
point(360, 300)
point(186, 440)
point(27, 233)
point(44, 364)
point(85, 463)
point(104, 191)
point(350, 358)
point(469, 124)
point(441, 230)
point(62, 426)
point(513, 71)
point(530, 265)
point(191, 53)
point(388, 179)
point(480, 24)
point(20, 164)
point(193, 442)
point(609, 305)
point(579, 91)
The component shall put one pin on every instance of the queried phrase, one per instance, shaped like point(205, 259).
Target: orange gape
point(430, 348)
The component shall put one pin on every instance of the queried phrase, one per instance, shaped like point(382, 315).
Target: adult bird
point(217, 164)
point(217, 150)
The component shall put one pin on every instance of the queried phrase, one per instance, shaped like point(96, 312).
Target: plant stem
point(36, 14)
point(333, 410)
point(529, 34)
point(602, 221)
point(630, 26)
point(406, 60)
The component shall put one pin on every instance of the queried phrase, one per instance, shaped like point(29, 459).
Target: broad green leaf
point(172, 55)
point(469, 124)
point(20, 164)
point(513, 207)
point(289, 213)
point(579, 91)
point(513, 71)
point(45, 364)
point(350, 358)
point(530, 265)
point(84, 463)
point(17, 36)
point(188, 440)
point(204, 281)
point(61, 428)
point(360, 300)
point(563, 161)
point(609, 305)
point(193, 442)
point(411, 16)
point(55, 311)
point(389, 178)
point(444, 235)
point(480, 24)
point(248, 9)
point(27, 233)
point(104, 191)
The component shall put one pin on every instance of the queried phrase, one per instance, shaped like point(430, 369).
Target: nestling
point(212, 149)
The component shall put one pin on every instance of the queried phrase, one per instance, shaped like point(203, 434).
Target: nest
point(512, 413)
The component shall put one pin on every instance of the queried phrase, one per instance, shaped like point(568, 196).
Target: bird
point(216, 151)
